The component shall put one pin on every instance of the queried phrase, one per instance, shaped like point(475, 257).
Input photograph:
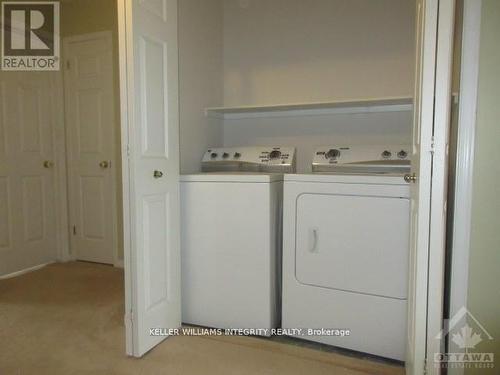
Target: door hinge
point(425, 366)
point(74, 230)
point(129, 318)
point(433, 144)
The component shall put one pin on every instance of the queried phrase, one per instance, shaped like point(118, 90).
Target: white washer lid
point(378, 179)
point(232, 177)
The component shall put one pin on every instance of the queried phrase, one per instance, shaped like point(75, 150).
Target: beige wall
point(84, 16)
point(88, 16)
point(286, 51)
point(484, 266)
point(293, 51)
point(200, 78)
point(257, 52)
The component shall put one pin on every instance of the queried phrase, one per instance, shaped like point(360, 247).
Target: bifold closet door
point(432, 98)
point(152, 258)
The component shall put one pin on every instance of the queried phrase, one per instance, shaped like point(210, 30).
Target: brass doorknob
point(410, 178)
point(157, 174)
point(48, 164)
point(104, 164)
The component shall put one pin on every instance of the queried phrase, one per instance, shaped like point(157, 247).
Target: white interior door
point(439, 192)
point(427, 17)
point(429, 182)
point(152, 251)
point(90, 123)
point(27, 172)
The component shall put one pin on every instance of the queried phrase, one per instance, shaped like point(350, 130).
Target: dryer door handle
point(314, 247)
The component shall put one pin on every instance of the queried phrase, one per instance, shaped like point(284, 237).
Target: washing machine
point(345, 249)
point(231, 221)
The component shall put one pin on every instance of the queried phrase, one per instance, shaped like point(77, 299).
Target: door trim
point(61, 177)
point(71, 254)
point(125, 48)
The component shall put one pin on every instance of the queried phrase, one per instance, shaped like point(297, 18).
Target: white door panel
point(33, 207)
point(428, 190)
point(153, 262)
point(427, 20)
point(91, 146)
point(30, 119)
point(93, 207)
point(331, 254)
point(27, 209)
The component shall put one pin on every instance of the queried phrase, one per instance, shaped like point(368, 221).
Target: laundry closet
point(294, 77)
point(276, 72)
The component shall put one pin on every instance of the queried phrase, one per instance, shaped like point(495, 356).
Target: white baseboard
point(119, 263)
point(22, 272)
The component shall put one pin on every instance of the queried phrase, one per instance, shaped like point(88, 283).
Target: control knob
point(274, 154)
point(213, 155)
point(386, 154)
point(332, 154)
point(402, 154)
point(225, 155)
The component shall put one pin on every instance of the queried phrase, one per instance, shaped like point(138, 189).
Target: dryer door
point(353, 243)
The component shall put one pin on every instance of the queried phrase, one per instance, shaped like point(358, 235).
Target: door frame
point(433, 274)
point(125, 50)
point(61, 179)
point(70, 253)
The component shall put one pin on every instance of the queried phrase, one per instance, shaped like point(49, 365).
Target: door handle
point(104, 164)
point(314, 248)
point(157, 174)
point(411, 178)
point(48, 164)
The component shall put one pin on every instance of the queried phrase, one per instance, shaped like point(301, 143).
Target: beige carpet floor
point(68, 319)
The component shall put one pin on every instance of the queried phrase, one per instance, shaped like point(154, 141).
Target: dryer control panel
point(249, 159)
point(362, 159)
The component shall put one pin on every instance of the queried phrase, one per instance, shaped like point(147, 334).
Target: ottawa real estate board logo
point(30, 35)
point(465, 335)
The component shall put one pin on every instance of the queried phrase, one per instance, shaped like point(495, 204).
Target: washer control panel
point(362, 159)
point(249, 159)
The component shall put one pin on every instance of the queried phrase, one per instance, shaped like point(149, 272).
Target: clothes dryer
point(346, 248)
